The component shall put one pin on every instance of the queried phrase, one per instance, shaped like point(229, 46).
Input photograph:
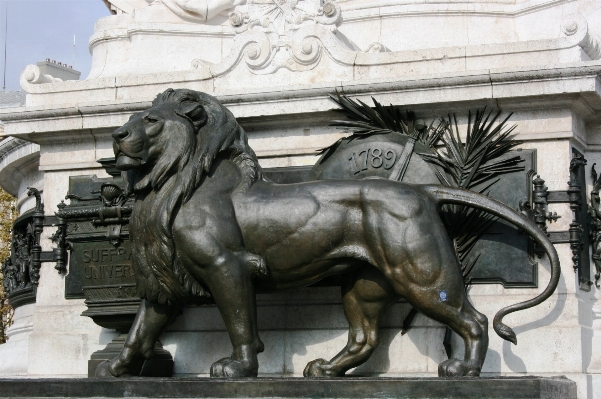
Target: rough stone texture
point(363, 388)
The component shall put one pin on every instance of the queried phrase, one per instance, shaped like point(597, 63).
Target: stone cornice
point(315, 53)
point(127, 32)
point(554, 83)
point(356, 10)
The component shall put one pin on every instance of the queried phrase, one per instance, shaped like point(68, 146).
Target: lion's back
point(303, 200)
point(403, 200)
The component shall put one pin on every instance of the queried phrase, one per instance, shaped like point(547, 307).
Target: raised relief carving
point(11, 279)
point(200, 10)
point(117, 7)
point(107, 264)
point(22, 243)
point(274, 34)
point(594, 211)
point(26, 257)
point(21, 273)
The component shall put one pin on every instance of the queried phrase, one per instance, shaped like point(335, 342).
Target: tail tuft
point(504, 331)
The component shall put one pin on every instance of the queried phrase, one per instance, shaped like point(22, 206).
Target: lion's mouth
point(125, 162)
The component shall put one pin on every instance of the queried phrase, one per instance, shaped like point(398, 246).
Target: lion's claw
point(320, 368)
point(103, 370)
point(457, 368)
point(229, 368)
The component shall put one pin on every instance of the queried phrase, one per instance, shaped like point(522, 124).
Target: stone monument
point(274, 64)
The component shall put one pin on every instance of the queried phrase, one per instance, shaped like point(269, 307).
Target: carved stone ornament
point(125, 6)
point(201, 10)
point(207, 225)
point(274, 34)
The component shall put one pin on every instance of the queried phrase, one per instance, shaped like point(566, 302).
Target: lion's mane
point(185, 158)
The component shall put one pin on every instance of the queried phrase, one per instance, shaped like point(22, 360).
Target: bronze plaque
point(104, 270)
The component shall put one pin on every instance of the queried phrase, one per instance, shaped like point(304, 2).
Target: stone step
point(289, 388)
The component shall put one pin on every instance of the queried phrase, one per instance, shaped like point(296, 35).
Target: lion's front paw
point(320, 368)
point(229, 368)
point(457, 368)
point(103, 370)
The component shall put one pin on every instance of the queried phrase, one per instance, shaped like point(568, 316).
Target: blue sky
point(40, 29)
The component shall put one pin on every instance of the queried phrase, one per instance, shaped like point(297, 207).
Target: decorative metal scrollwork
point(594, 212)
point(22, 269)
point(575, 197)
point(37, 226)
point(109, 209)
point(538, 212)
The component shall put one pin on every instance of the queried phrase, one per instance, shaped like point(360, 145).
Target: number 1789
point(373, 158)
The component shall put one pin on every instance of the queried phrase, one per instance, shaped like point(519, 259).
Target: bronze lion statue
point(207, 224)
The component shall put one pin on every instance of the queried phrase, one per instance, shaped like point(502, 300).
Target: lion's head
point(183, 131)
point(164, 153)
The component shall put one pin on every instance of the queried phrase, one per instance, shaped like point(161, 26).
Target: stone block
point(363, 388)
point(74, 350)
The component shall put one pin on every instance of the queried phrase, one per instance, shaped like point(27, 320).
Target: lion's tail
point(448, 195)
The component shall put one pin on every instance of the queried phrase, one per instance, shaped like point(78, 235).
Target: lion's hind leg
point(366, 295)
point(472, 326)
point(418, 258)
point(459, 314)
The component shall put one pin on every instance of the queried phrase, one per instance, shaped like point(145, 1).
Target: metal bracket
point(538, 212)
point(59, 254)
point(575, 197)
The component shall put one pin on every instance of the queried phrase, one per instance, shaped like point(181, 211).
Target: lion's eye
point(150, 119)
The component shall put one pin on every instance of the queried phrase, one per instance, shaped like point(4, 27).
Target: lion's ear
point(193, 111)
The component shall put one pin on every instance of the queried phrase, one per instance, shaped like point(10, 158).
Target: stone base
point(364, 388)
point(160, 365)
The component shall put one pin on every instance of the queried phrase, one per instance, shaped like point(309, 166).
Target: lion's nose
point(120, 134)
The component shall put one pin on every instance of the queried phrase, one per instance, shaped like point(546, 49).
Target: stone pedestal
point(14, 353)
point(293, 388)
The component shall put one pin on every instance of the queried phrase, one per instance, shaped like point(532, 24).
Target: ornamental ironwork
point(22, 268)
